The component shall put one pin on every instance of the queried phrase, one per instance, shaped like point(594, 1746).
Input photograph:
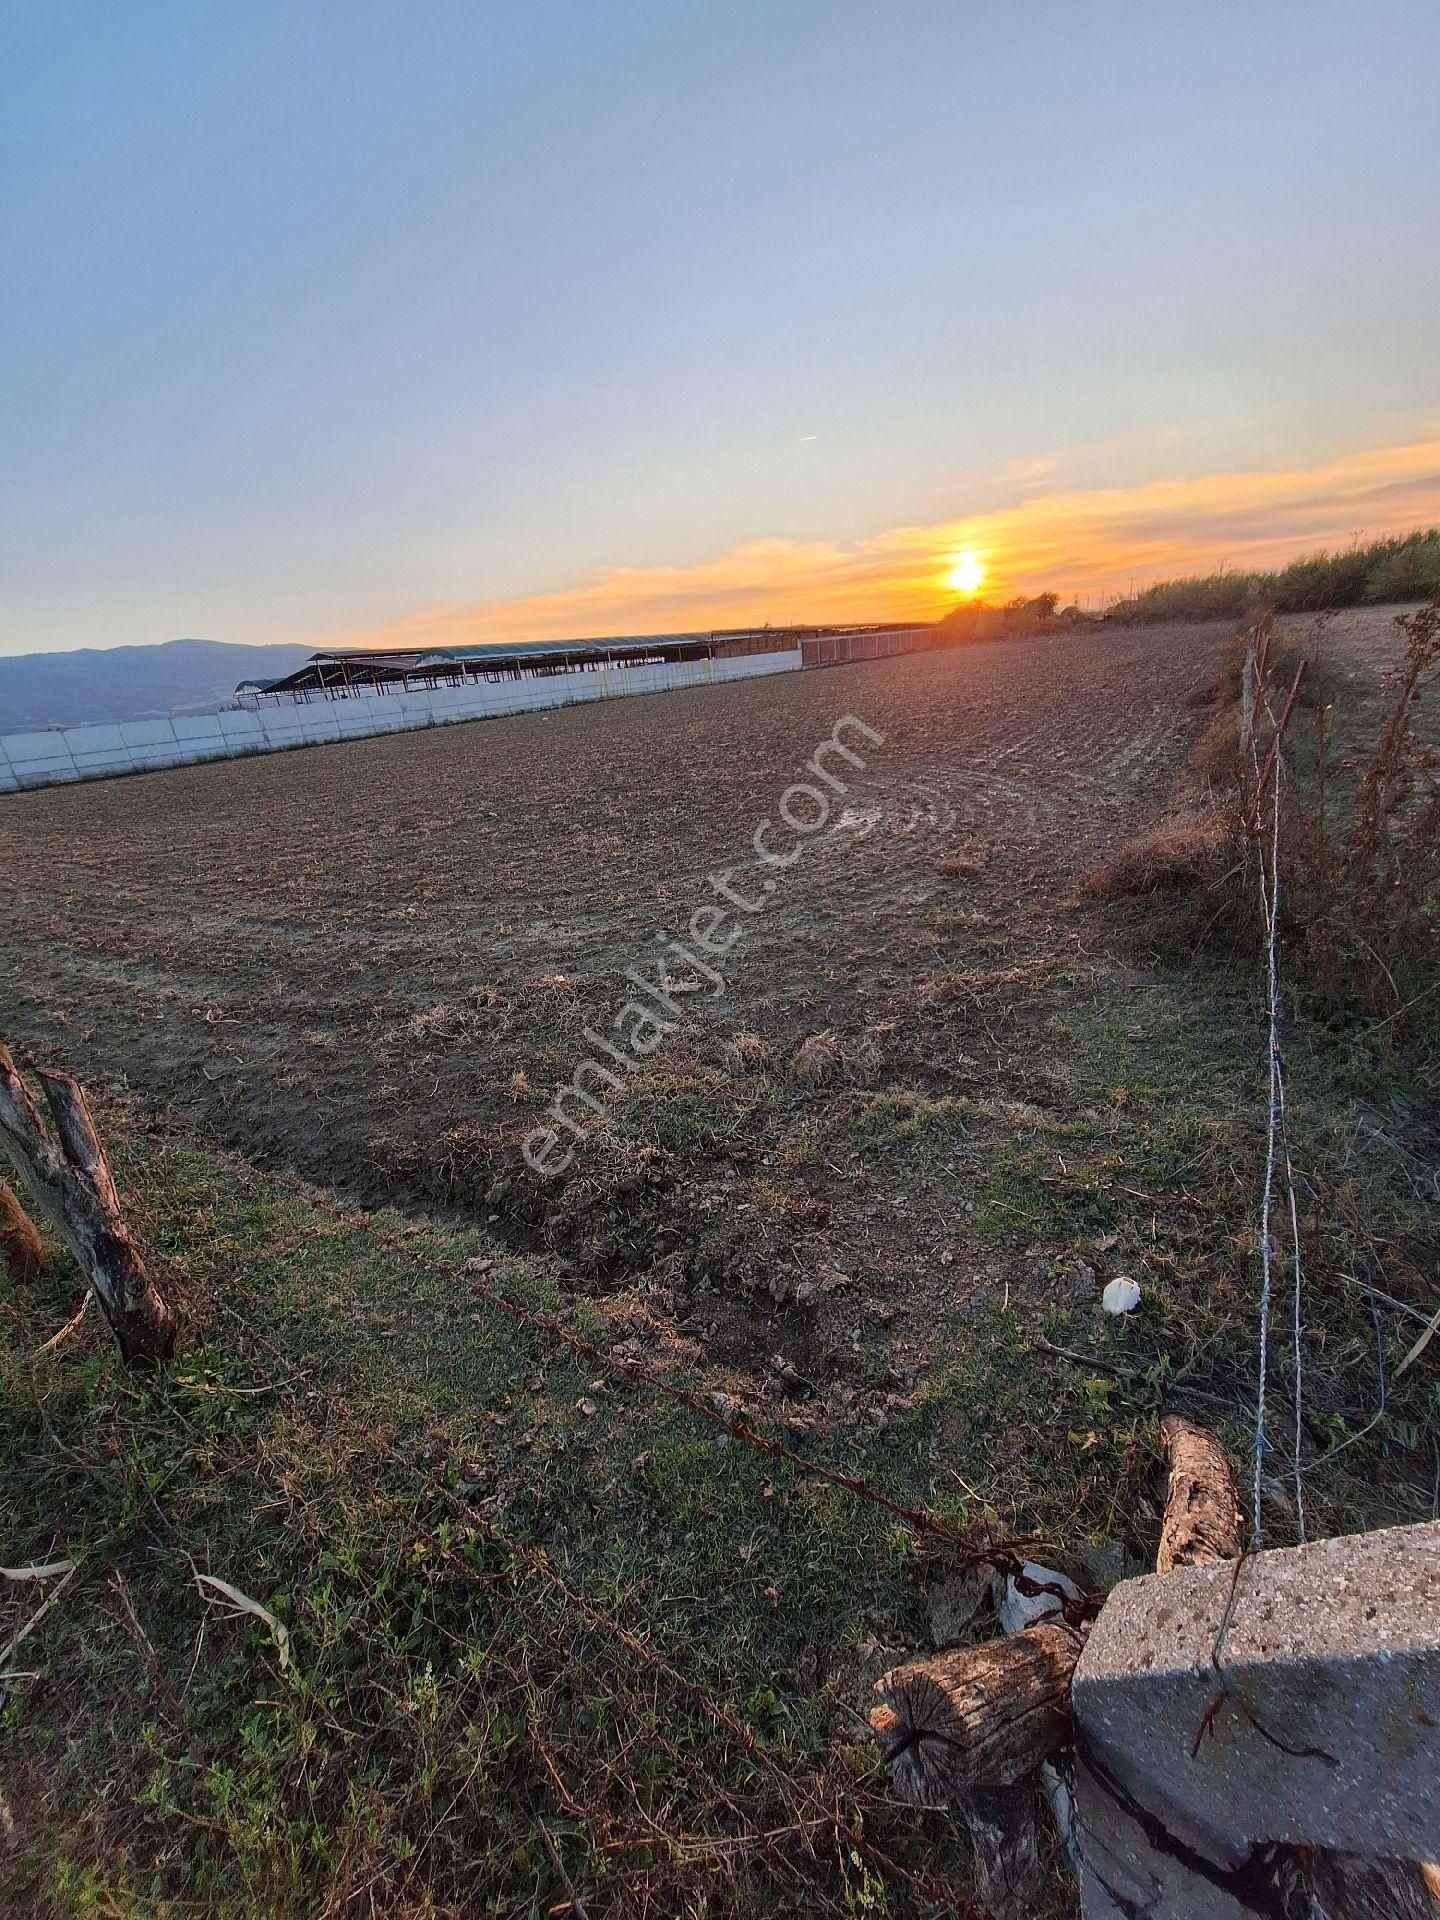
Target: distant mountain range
point(131, 683)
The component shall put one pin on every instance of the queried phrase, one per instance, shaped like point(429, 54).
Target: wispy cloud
point(1076, 542)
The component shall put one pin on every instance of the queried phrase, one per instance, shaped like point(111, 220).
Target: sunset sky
point(348, 322)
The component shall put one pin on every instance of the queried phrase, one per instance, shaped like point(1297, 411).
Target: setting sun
point(967, 573)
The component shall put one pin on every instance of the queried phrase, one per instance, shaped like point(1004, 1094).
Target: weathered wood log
point(22, 1251)
point(981, 1716)
point(74, 1189)
point(1202, 1516)
point(1004, 1831)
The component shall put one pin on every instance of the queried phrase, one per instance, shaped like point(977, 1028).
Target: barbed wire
point(1278, 1125)
point(1268, 902)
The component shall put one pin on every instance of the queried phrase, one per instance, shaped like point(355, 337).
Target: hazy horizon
point(540, 320)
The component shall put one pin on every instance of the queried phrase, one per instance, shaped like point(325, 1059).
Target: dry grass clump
point(443, 1022)
point(1359, 830)
point(972, 857)
point(1175, 853)
point(485, 998)
point(498, 1009)
point(1186, 843)
point(867, 1056)
point(1362, 847)
point(941, 989)
point(1215, 763)
point(746, 1052)
point(817, 1059)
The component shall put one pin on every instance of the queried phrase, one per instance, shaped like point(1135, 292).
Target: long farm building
point(350, 694)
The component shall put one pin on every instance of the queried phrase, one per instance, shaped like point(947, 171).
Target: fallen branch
point(18, 1639)
point(57, 1339)
point(74, 1189)
point(241, 1603)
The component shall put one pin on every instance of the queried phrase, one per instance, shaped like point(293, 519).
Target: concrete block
point(241, 724)
point(1317, 1722)
point(1122, 1874)
point(46, 744)
point(95, 766)
point(93, 739)
point(197, 726)
point(46, 773)
point(147, 733)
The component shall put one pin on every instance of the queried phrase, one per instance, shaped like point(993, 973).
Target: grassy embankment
point(1393, 571)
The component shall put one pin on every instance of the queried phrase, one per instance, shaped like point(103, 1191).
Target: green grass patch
point(376, 1489)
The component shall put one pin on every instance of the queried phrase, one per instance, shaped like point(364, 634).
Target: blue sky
point(320, 318)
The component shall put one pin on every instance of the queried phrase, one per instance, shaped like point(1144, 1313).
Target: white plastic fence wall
point(55, 754)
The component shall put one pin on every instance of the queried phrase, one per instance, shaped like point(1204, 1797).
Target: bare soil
point(372, 962)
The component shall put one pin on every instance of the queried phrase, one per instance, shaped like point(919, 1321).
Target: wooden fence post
point(73, 1188)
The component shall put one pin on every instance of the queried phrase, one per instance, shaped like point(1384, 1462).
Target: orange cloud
point(1075, 542)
